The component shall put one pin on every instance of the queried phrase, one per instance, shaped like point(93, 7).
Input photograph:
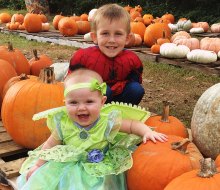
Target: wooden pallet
point(8, 151)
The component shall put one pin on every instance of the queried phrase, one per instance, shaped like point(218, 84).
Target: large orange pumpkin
point(32, 22)
point(67, 26)
point(167, 124)
point(155, 31)
point(7, 71)
point(156, 164)
point(23, 100)
point(16, 58)
point(138, 28)
point(207, 178)
point(83, 27)
point(39, 62)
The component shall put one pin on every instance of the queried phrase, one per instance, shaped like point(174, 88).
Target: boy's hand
point(154, 136)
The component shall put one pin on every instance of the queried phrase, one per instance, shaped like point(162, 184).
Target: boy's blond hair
point(111, 12)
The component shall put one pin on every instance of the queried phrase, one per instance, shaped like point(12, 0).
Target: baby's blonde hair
point(111, 12)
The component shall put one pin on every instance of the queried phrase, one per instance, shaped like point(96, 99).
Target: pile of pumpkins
point(27, 87)
point(184, 162)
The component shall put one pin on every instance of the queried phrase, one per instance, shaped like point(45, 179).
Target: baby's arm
point(140, 129)
point(51, 142)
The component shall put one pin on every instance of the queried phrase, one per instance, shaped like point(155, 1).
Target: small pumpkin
point(169, 16)
point(202, 56)
point(180, 33)
point(184, 25)
point(45, 26)
point(206, 178)
point(87, 37)
point(56, 20)
point(196, 30)
point(203, 25)
point(17, 17)
point(155, 48)
point(39, 62)
point(172, 50)
point(167, 124)
point(215, 27)
point(205, 122)
point(5, 17)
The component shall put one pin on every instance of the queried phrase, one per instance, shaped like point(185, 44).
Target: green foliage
point(12, 4)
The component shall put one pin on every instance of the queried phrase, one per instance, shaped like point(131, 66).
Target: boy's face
point(111, 37)
point(83, 106)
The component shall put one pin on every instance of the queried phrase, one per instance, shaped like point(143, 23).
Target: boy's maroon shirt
point(116, 72)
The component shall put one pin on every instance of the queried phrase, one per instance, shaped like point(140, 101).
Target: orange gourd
point(17, 18)
point(217, 161)
point(207, 178)
point(16, 58)
point(83, 27)
point(39, 62)
point(155, 31)
point(23, 100)
point(138, 28)
point(156, 164)
point(155, 48)
point(5, 17)
point(67, 26)
point(32, 22)
point(7, 71)
point(167, 124)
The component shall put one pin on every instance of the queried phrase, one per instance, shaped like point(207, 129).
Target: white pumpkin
point(88, 37)
point(215, 27)
point(219, 54)
point(172, 50)
point(205, 123)
point(196, 30)
point(184, 25)
point(173, 27)
point(202, 56)
point(60, 70)
point(91, 15)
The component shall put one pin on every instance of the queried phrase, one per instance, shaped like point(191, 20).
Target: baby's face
point(111, 37)
point(83, 106)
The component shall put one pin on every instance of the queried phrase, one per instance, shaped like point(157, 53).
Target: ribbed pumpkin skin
point(21, 102)
point(190, 181)
point(217, 161)
point(156, 164)
point(6, 72)
point(173, 127)
point(16, 58)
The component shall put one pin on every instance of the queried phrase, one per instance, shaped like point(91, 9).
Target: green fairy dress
point(94, 158)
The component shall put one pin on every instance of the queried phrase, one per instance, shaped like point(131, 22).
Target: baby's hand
point(154, 136)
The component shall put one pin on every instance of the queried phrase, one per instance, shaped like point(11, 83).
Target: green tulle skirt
point(69, 176)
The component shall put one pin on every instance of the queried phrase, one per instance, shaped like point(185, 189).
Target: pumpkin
point(91, 15)
point(217, 161)
point(211, 44)
point(75, 17)
point(138, 28)
point(45, 26)
point(7, 71)
point(16, 79)
point(172, 50)
point(215, 27)
point(155, 48)
point(202, 56)
point(191, 43)
point(156, 164)
point(83, 27)
point(17, 18)
point(167, 124)
point(32, 22)
point(56, 20)
point(184, 25)
point(207, 178)
point(60, 70)
point(128, 8)
point(67, 26)
point(39, 62)
point(180, 33)
point(148, 18)
point(43, 17)
point(134, 40)
point(196, 30)
point(163, 40)
point(203, 25)
point(205, 122)
point(5, 17)
point(173, 27)
point(134, 14)
point(87, 37)
point(23, 100)
point(155, 31)
point(16, 58)
point(169, 16)
point(84, 17)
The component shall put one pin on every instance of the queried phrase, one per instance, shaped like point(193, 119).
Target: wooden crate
point(10, 152)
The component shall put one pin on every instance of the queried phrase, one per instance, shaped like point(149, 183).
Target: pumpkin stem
point(47, 75)
point(23, 76)
point(10, 46)
point(181, 146)
point(208, 168)
point(35, 55)
point(166, 111)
